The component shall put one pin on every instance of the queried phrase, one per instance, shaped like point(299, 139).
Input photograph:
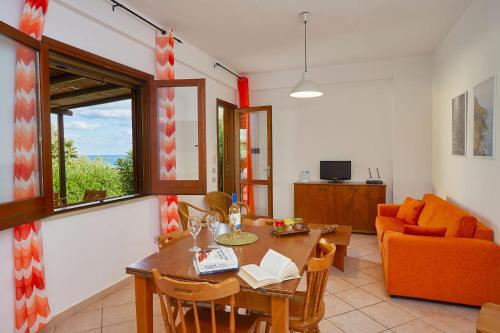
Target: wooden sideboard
point(353, 204)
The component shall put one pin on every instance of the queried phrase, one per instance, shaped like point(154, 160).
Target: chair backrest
point(167, 240)
point(183, 209)
point(94, 195)
point(173, 294)
point(220, 202)
point(317, 278)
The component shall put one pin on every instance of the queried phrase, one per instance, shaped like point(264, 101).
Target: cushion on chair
point(410, 210)
point(385, 223)
point(244, 324)
point(424, 231)
point(440, 213)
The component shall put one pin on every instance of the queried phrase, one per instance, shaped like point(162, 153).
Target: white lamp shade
point(305, 88)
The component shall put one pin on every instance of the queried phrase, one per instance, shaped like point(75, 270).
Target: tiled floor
point(356, 302)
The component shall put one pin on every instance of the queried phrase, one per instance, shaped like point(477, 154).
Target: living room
point(403, 87)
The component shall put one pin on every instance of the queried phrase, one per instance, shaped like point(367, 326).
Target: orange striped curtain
point(32, 309)
point(243, 92)
point(165, 59)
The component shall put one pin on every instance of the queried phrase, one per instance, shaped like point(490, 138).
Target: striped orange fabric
point(165, 59)
point(32, 310)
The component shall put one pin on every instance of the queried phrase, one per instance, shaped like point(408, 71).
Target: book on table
point(274, 268)
point(215, 261)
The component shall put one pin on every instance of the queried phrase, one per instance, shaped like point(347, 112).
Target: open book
point(215, 261)
point(273, 268)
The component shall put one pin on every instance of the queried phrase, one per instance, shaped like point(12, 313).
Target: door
point(225, 147)
point(254, 159)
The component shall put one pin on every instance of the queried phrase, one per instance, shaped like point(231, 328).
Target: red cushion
point(410, 210)
point(385, 223)
point(424, 231)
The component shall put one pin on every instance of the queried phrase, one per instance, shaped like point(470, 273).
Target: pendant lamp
point(305, 88)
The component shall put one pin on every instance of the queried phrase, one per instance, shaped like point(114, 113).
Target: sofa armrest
point(389, 210)
point(463, 270)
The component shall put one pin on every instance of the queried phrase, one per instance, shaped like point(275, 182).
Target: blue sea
point(108, 159)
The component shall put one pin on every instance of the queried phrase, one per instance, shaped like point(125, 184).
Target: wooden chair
point(94, 195)
point(183, 209)
point(220, 202)
point(307, 308)
point(167, 240)
point(174, 294)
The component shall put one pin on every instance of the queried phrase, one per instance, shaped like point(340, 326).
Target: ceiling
point(267, 35)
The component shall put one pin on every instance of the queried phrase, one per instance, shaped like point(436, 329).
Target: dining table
point(176, 262)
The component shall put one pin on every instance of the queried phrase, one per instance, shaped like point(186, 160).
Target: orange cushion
point(410, 210)
point(385, 223)
point(440, 213)
point(424, 231)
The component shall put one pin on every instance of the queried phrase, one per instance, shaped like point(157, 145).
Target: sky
point(104, 129)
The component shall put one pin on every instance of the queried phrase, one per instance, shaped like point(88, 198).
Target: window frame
point(181, 187)
point(14, 213)
point(140, 118)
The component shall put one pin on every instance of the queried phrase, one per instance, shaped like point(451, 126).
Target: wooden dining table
point(176, 262)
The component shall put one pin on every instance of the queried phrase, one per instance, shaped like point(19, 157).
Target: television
point(335, 171)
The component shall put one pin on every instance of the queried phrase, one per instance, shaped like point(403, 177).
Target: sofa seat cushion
point(385, 223)
point(424, 231)
point(440, 213)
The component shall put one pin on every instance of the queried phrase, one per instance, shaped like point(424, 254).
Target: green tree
point(125, 167)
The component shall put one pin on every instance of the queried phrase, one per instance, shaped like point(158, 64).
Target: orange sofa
point(462, 267)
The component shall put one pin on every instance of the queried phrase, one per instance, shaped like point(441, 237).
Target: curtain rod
point(117, 4)
point(217, 64)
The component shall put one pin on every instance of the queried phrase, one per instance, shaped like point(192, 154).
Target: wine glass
point(194, 226)
point(213, 222)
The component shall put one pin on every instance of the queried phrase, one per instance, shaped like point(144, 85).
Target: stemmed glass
point(194, 226)
point(213, 224)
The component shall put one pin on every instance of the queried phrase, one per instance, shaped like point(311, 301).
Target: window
point(97, 131)
point(25, 191)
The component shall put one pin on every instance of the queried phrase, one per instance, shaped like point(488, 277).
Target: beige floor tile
point(335, 306)
point(415, 326)
point(417, 307)
point(81, 322)
point(358, 298)
point(336, 284)
point(376, 258)
point(327, 326)
point(469, 313)
point(122, 296)
point(97, 330)
point(48, 329)
point(92, 306)
point(362, 239)
point(378, 289)
point(356, 322)
point(450, 323)
point(375, 271)
point(363, 250)
point(126, 327)
point(358, 263)
point(387, 314)
point(118, 314)
point(356, 278)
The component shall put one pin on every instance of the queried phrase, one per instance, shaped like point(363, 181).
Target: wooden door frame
point(269, 181)
point(228, 159)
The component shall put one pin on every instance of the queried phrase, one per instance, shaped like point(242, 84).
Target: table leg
point(279, 314)
point(338, 260)
point(143, 305)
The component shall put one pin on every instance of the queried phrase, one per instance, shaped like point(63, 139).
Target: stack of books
point(215, 261)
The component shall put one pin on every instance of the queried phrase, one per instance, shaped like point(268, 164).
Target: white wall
point(376, 114)
point(109, 238)
point(468, 55)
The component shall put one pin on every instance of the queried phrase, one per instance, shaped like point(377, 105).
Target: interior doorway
point(244, 155)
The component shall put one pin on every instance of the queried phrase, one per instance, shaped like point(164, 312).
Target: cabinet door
point(311, 203)
point(340, 205)
point(366, 199)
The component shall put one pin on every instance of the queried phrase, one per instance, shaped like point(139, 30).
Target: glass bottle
point(235, 217)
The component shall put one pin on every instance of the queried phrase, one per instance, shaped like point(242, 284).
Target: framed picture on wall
point(484, 118)
point(459, 125)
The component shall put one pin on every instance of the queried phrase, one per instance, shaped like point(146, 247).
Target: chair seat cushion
point(244, 323)
point(385, 223)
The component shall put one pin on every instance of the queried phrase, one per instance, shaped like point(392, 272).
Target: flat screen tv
point(335, 171)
